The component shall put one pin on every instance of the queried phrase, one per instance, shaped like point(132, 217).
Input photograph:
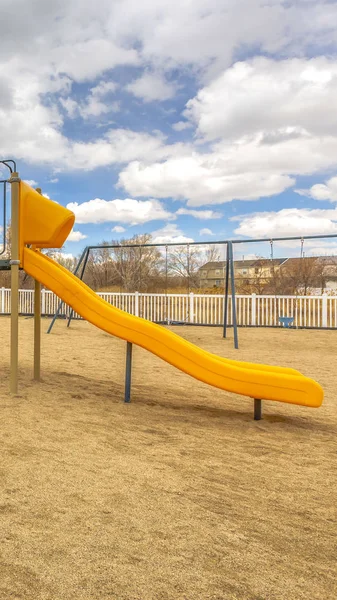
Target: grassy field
point(179, 495)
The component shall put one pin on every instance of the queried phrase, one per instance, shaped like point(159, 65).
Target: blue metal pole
point(128, 367)
point(231, 268)
point(226, 296)
point(61, 301)
point(81, 278)
point(4, 229)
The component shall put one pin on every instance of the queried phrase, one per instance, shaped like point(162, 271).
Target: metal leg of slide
point(37, 324)
point(15, 262)
point(128, 368)
point(37, 331)
point(257, 409)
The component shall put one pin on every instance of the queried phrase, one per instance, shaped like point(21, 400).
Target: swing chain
point(188, 267)
point(166, 269)
point(167, 319)
point(140, 270)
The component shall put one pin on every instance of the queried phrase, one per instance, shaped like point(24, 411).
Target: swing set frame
point(229, 278)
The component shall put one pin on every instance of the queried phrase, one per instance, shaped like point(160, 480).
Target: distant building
point(212, 274)
point(318, 272)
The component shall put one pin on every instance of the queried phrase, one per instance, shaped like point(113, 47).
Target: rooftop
point(242, 264)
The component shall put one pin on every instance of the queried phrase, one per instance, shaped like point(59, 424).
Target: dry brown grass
point(179, 495)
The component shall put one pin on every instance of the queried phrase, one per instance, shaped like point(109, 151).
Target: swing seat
point(170, 322)
point(286, 321)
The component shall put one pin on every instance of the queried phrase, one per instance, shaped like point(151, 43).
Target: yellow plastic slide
point(256, 381)
point(46, 224)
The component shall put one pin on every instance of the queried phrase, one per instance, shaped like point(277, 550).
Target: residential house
point(330, 271)
point(212, 274)
point(314, 273)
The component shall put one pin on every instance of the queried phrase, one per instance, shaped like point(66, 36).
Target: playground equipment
point(286, 321)
point(38, 223)
point(228, 276)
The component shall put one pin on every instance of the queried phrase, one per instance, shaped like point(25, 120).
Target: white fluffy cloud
point(76, 236)
point(70, 106)
point(287, 222)
point(123, 211)
point(118, 229)
point(170, 233)
point(121, 146)
point(288, 130)
point(95, 104)
point(199, 214)
point(320, 247)
point(51, 147)
point(207, 36)
point(85, 60)
point(287, 98)
point(206, 231)
point(201, 179)
point(322, 191)
point(181, 125)
point(150, 87)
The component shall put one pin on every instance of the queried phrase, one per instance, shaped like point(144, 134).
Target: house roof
point(214, 265)
point(242, 264)
point(326, 261)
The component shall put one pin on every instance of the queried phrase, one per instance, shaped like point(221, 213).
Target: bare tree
point(129, 268)
point(184, 263)
point(99, 272)
point(68, 261)
point(137, 268)
point(211, 253)
point(255, 285)
point(298, 276)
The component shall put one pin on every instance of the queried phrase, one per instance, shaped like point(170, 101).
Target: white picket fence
point(205, 309)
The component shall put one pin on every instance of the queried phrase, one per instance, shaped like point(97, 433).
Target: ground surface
point(179, 495)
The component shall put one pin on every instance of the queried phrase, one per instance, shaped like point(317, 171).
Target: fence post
point(253, 309)
point(191, 310)
point(136, 304)
point(43, 302)
point(2, 299)
point(324, 310)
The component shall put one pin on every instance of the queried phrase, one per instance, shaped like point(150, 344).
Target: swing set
point(229, 275)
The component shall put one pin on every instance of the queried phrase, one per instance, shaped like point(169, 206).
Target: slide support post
point(15, 264)
point(257, 409)
point(37, 325)
point(37, 330)
point(128, 368)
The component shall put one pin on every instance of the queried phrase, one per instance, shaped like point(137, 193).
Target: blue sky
point(182, 119)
